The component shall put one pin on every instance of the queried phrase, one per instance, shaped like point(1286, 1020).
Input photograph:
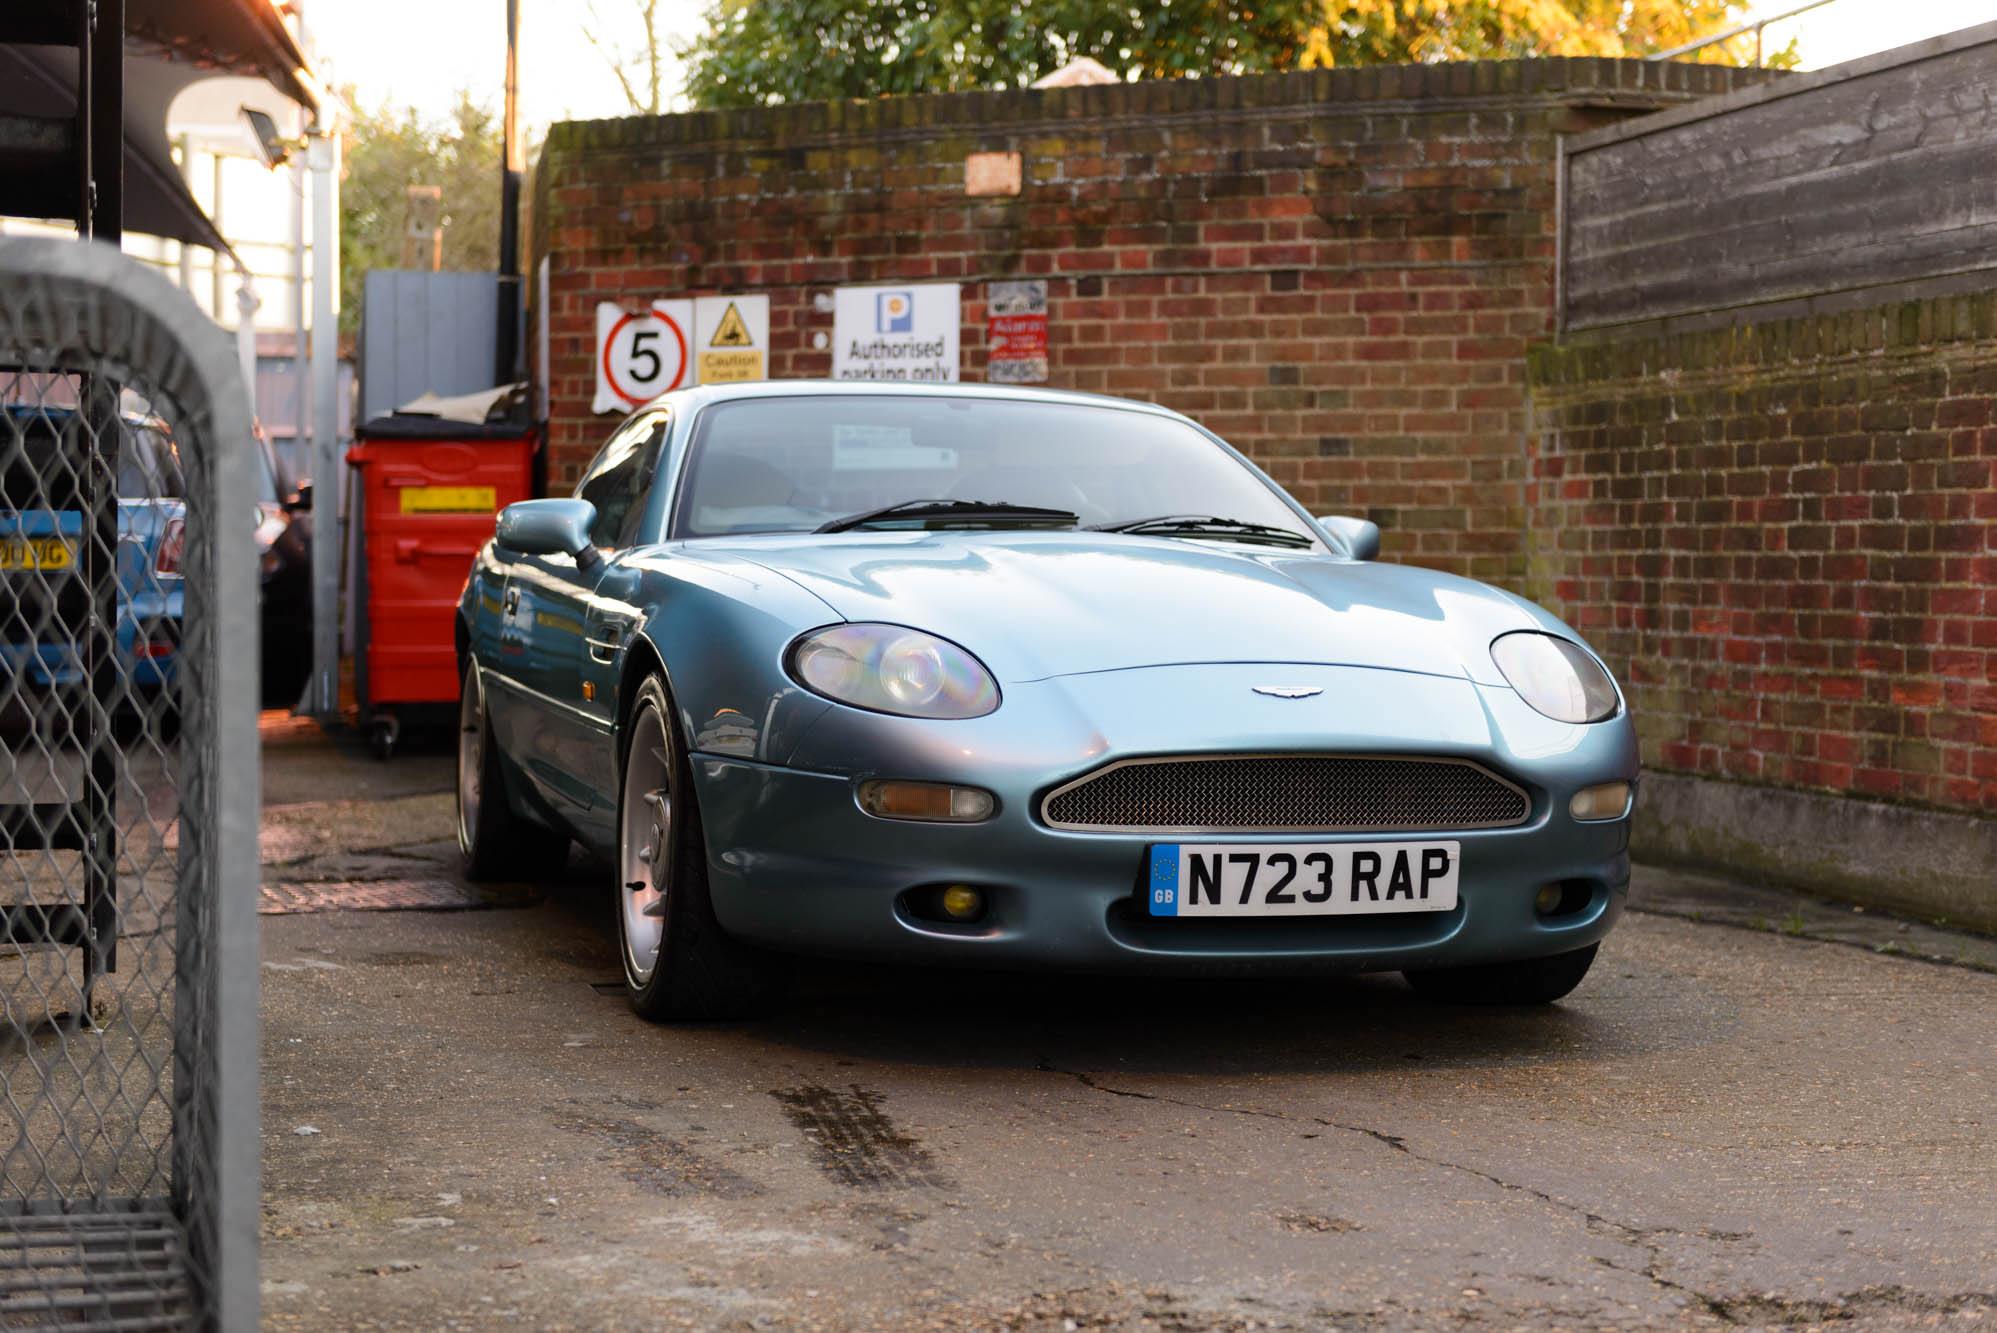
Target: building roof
point(168, 45)
point(218, 36)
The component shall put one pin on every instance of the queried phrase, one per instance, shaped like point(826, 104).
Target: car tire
point(493, 842)
point(1526, 981)
point(679, 964)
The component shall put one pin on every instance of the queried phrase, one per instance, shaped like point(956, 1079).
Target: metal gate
point(128, 803)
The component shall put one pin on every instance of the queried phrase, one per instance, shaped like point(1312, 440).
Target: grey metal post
point(236, 787)
point(301, 402)
point(323, 152)
point(186, 147)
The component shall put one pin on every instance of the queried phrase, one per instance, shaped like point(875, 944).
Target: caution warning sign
point(731, 332)
point(732, 338)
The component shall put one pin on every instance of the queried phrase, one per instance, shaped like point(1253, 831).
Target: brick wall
point(1784, 537)
point(1338, 271)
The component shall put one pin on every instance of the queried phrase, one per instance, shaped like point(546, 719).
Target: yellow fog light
point(961, 902)
point(1608, 800)
point(1548, 901)
point(934, 801)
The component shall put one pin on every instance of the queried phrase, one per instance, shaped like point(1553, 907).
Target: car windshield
point(795, 464)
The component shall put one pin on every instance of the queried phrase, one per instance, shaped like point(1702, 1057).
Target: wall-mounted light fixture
point(273, 149)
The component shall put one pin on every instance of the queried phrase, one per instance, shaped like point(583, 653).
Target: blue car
point(998, 677)
point(44, 597)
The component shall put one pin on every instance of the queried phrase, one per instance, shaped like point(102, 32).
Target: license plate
point(1303, 879)
point(35, 553)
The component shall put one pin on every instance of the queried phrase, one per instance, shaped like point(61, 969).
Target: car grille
point(1288, 793)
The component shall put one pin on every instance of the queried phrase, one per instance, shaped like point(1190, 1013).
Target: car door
point(612, 613)
point(549, 602)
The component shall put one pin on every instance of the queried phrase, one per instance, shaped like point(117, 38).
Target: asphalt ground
point(1759, 1111)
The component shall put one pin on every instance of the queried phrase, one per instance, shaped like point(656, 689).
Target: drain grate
point(368, 895)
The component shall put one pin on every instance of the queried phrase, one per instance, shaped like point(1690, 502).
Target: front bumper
point(796, 865)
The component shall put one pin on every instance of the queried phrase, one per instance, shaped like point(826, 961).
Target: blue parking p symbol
point(894, 312)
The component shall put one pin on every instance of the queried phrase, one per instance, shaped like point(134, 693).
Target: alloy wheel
point(471, 754)
point(645, 845)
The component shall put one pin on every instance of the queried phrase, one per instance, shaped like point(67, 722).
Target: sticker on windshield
point(884, 449)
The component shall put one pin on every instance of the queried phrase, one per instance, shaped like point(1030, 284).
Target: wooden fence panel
point(1870, 175)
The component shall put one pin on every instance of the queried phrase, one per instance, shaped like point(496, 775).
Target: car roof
point(699, 396)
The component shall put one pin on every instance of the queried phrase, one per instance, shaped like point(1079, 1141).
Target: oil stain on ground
point(652, 1161)
point(855, 1143)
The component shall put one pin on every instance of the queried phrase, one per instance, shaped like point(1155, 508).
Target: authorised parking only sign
point(896, 333)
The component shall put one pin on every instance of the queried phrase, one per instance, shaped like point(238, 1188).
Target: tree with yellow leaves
point(1409, 31)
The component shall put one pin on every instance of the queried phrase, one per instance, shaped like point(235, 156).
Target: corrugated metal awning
point(218, 36)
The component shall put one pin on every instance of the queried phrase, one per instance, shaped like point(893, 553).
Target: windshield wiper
point(1207, 525)
point(995, 510)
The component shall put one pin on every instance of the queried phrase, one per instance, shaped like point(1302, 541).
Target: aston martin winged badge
point(1289, 691)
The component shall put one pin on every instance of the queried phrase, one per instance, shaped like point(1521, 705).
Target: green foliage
point(388, 151)
point(766, 51)
point(795, 50)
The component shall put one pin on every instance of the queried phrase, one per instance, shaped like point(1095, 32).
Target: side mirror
point(549, 527)
point(1356, 538)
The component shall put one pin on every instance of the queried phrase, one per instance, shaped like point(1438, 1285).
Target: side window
point(619, 478)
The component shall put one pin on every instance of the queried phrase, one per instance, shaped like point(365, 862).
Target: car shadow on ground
point(1174, 1026)
point(959, 1018)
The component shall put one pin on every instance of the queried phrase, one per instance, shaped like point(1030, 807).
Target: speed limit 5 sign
point(640, 353)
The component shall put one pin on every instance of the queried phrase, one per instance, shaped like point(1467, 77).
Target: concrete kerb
point(1930, 864)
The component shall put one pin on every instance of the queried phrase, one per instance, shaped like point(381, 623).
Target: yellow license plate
point(450, 500)
point(35, 553)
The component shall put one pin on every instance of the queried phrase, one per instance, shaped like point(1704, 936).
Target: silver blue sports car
point(1000, 677)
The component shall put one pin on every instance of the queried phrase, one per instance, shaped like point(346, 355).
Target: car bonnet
point(1036, 604)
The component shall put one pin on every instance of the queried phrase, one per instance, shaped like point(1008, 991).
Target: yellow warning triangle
point(732, 332)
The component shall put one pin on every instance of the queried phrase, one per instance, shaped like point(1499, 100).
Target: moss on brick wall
point(1784, 536)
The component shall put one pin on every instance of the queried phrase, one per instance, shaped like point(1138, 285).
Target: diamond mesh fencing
point(128, 803)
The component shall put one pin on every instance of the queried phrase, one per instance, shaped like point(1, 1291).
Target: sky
point(420, 52)
point(441, 46)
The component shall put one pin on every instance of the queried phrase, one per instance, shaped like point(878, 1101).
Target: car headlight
point(894, 669)
point(1558, 678)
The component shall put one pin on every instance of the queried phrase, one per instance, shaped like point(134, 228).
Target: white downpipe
point(247, 305)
